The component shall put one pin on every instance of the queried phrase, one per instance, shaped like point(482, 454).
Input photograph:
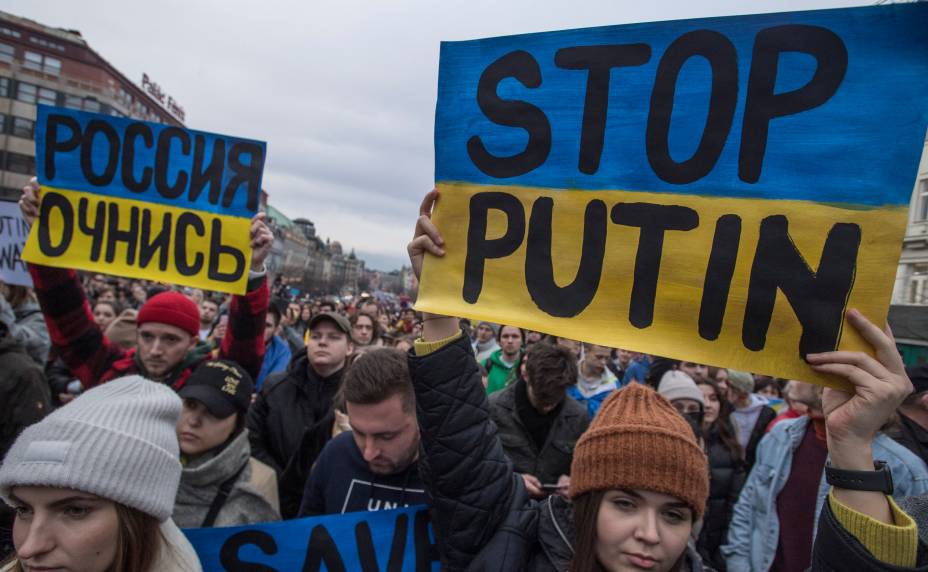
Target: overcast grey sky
point(343, 92)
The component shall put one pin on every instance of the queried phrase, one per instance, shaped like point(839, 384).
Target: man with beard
point(373, 466)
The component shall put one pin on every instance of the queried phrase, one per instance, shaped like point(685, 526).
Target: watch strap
point(878, 480)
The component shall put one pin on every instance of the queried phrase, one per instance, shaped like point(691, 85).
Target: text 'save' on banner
point(145, 200)
point(398, 540)
point(716, 190)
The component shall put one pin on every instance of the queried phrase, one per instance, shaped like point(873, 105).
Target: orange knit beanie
point(639, 441)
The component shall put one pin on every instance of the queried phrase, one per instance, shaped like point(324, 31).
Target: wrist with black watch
point(880, 479)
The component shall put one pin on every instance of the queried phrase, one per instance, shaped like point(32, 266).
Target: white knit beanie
point(677, 385)
point(117, 441)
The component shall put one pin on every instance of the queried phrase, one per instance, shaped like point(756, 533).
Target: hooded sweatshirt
point(483, 350)
point(341, 482)
point(200, 481)
point(745, 419)
point(499, 372)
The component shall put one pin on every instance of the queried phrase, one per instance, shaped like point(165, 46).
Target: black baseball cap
point(341, 322)
point(223, 386)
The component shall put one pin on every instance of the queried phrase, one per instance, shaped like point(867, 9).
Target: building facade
point(52, 66)
point(912, 274)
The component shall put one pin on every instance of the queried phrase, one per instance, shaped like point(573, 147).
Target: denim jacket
point(754, 531)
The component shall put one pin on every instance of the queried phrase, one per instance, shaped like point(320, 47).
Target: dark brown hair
point(376, 376)
point(550, 371)
point(586, 512)
point(723, 423)
point(375, 323)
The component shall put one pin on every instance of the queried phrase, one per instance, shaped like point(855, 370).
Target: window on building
point(6, 52)
point(52, 66)
point(92, 105)
point(19, 163)
point(48, 96)
point(3, 123)
point(921, 207)
point(33, 61)
point(46, 43)
point(73, 101)
point(27, 92)
point(4, 87)
point(41, 62)
point(22, 127)
point(10, 32)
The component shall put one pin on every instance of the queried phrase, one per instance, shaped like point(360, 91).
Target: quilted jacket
point(482, 516)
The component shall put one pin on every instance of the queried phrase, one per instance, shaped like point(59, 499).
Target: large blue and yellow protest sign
point(395, 540)
point(718, 190)
point(145, 200)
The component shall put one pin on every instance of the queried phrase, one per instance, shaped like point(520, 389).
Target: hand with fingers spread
point(29, 202)
point(426, 237)
point(880, 385)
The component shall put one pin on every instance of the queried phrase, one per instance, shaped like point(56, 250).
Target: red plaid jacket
point(94, 359)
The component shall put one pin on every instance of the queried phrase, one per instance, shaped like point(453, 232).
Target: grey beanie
point(117, 441)
point(491, 325)
point(741, 381)
point(676, 384)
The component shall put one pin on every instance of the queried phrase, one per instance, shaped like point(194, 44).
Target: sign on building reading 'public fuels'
point(145, 200)
point(717, 190)
point(398, 540)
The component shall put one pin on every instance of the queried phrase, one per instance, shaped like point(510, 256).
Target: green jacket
point(499, 375)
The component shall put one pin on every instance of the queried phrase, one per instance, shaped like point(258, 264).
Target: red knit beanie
point(173, 309)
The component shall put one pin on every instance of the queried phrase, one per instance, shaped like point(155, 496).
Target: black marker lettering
point(479, 248)
point(511, 113)
point(564, 301)
point(723, 58)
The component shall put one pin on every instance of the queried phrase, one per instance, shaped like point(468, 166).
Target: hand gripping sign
point(145, 200)
point(718, 190)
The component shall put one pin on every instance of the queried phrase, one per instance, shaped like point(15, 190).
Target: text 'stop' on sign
point(145, 200)
point(718, 190)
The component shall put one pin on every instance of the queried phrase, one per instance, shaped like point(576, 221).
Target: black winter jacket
point(289, 403)
point(482, 515)
point(553, 460)
point(726, 477)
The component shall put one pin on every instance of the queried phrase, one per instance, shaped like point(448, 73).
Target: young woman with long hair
point(726, 471)
point(93, 484)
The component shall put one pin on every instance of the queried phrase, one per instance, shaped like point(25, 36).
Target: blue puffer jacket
point(754, 531)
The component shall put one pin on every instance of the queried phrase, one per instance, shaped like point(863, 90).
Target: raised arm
point(861, 527)
point(462, 463)
point(244, 339)
point(74, 335)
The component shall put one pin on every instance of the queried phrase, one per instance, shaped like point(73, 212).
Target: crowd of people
point(132, 409)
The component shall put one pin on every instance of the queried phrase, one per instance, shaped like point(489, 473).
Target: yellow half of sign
point(139, 239)
point(674, 331)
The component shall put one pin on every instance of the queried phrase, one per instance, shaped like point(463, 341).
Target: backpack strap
point(220, 499)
